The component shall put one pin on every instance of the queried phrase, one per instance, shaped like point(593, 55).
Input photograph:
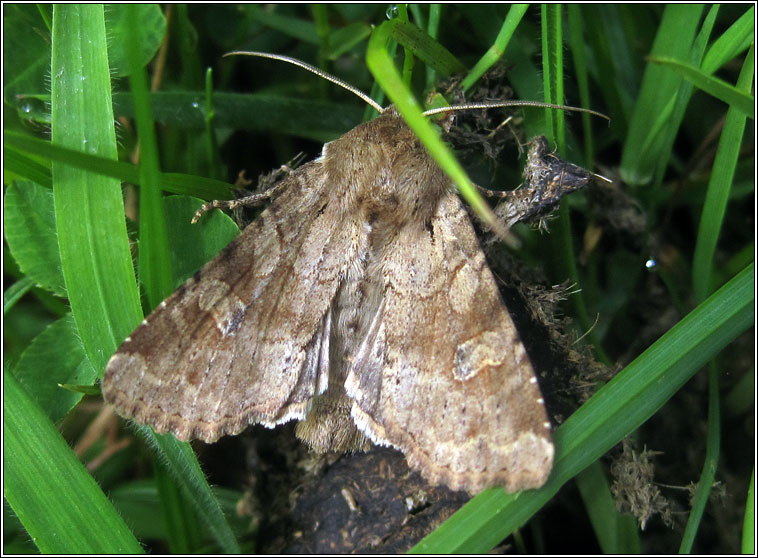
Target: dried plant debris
point(482, 132)
point(633, 486)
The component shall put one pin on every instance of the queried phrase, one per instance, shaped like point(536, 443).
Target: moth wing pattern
point(442, 374)
point(246, 339)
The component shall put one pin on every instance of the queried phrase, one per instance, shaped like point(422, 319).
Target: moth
point(360, 304)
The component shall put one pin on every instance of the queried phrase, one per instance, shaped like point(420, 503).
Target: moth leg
point(547, 178)
point(269, 185)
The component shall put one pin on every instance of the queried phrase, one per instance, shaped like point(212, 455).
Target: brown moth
point(359, 303)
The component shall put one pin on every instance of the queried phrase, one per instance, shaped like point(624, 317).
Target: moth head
point(386, 169)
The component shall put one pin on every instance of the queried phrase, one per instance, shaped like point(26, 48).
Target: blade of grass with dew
point(89, 209)
point(259, 112)
point(381, 66)
point(496, 51)
point(57, 500)
point(616, 410)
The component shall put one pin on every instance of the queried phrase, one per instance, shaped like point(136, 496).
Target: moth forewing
point(360, 303)
point(196, 366)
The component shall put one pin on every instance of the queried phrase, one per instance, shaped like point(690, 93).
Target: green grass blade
point(182, 464)
point(736, 39)
point(57, 500)
point(119, 18)
point(748, 524)
point(25, 167)
point(154, 263)
point(617, 409)
point(672, 116)
point(89, 210)
point(433, 31)
point(13, 294)
point(563, 261)
point(182, 528)
point(579, 57)
point(294, 27)
point(427, 49)
point(256, 111)
point(176, 183)
point(71, 157)
point(708, 475)
point(211, 141)
point(552, 72)
point(342, 40)
point(642, 144)
point(711, 222)
point(714, 209)
point(616, 533)
point(496, 51)
point(158, 279)
point(734, 97)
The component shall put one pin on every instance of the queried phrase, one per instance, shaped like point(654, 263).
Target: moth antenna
point(501, 104)
point(321, 73)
